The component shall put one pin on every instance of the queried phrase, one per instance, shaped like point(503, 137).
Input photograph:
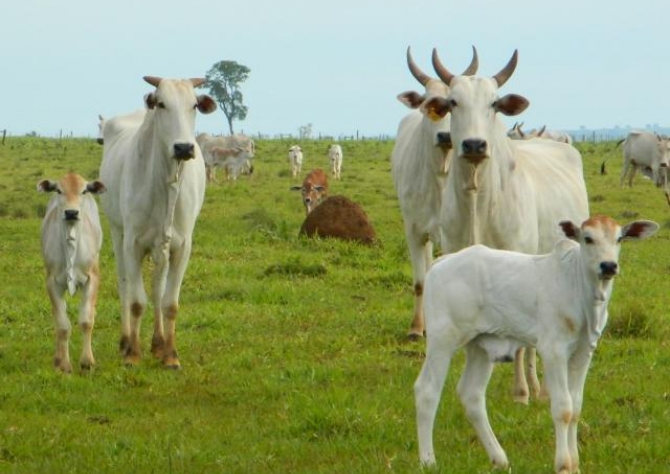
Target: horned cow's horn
point(418, 74)
point(442, 72)
point(506, 72)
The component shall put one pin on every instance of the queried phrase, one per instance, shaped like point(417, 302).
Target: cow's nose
point(444, 139)
point(71, 214)
point(183, 151)
point(609, 269)
point(474, 146)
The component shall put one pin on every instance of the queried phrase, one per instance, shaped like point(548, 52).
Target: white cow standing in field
point(648, 152)
point(494, 301)
point(233, 153)
point(295, 158)
point(419, 165)
point(506, 194)
point(71, 242)
point(336, 156)
point(155, 176)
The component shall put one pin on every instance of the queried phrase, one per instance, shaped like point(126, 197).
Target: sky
point(337, 65)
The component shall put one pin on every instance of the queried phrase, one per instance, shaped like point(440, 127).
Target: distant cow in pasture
point(335, 155)
point(155, 176)
point(295, 159)
point(314, 189)
point(341, 218)
point(492, 302)
point(649, 153)
point(71, 242)
point(233, 153)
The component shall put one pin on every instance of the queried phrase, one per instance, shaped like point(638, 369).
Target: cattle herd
point(525, 266)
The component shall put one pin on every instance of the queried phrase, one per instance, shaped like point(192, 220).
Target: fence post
point(4, 134)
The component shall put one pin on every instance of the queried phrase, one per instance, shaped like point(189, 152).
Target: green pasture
point(293, 351)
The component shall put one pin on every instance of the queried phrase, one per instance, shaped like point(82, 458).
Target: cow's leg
point(161, 259)
point(472, 392)
point(562, 411)
point(117, 242)
point(421, 255)
point(427, 392)
point(87, 317)
point(624, 172)
point(577, 370)
point(135, 301)
point(531, 374)
point(520, 390)
point(170, 302)
point(62, 325)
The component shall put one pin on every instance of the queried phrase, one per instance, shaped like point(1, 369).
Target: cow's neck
point(162, 179)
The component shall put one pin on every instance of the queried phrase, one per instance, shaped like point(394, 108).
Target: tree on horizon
point(224, 79)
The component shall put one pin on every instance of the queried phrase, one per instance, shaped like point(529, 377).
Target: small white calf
point(335, 155)
point(71, 241)
point(495, 301)
point(295, 160)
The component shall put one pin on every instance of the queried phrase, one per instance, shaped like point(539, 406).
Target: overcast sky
point(338, 65)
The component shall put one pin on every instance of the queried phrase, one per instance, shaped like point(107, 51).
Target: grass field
point(293, 351)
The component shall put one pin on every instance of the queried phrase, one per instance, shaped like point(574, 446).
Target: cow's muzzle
point(184, 151)
point(71, 215)
point(474, 150)
point(608, 270)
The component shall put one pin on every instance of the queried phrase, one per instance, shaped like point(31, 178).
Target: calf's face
point(70, 189)
point(600, 240)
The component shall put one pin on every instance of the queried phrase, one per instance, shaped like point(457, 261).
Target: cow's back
point(554, 172)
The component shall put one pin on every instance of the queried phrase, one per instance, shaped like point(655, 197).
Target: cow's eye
point(161, 105)
point(494, 104)
point(453, 103)
point(588, 240)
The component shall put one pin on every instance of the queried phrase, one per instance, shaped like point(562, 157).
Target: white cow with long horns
point(503, 193)
point(419, 162)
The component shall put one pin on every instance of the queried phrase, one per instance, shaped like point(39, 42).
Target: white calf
point(495, 301)
point(335, 155)
point(295, 160)
point(71, 241)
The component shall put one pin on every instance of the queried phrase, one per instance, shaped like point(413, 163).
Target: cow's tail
point(602, 166)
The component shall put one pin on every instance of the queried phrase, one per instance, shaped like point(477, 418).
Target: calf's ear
point(46, 186)
point(570, 230)
point(638, 230)
point(96, 187)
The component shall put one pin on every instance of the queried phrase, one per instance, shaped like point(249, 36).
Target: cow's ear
point(511, 104)
point(46, 186)
point(570, 230)
point(96, 187)
point(411, 99)
point(206, 104)
point(639, 230)
point(150, 100)
point(436, 108)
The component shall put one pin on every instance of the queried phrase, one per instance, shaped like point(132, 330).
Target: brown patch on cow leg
point(157, 345)
point(124, 344)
